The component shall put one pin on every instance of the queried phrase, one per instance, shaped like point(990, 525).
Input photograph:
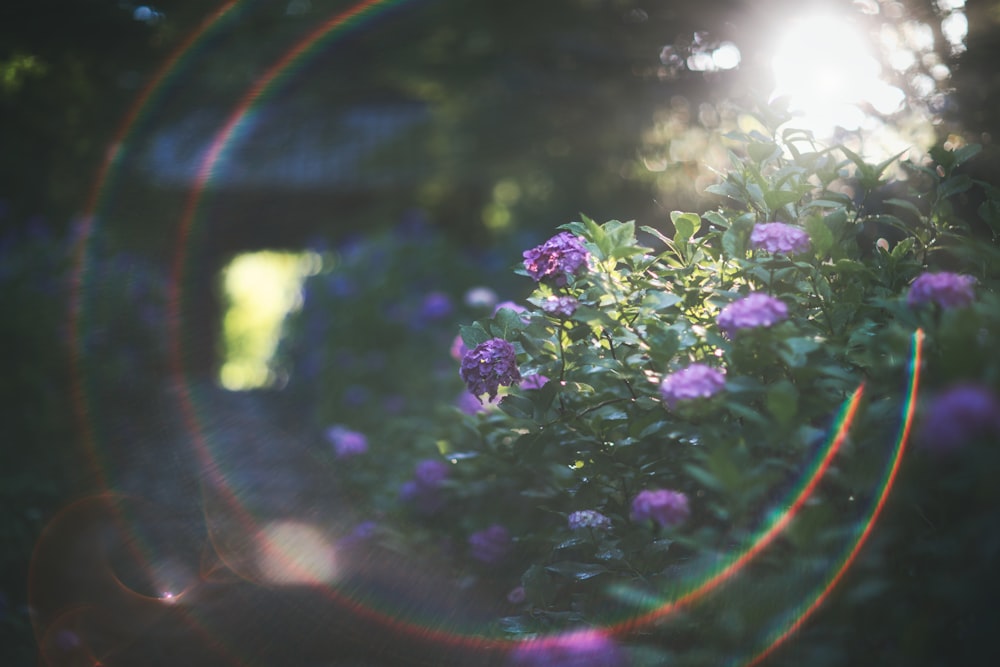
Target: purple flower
point(536, 381)
point(346, 443)
point(429, 473)
point(480, 297)
point(436, 305)
point(948, 290)
point(558, 258)
point(516, 595)
point(488, 366)
point(960, 415)
point(665, 507)
point(423, 492)
point(776, 237)
point(560, 305)
point(458, 348)
point(695, 381)
point(579, 648)
point(490, 546)
point(588, 519)
point(752, 311)
point(362, 533)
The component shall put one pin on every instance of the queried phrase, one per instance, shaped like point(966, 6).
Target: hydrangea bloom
point(948, 290)
point(960, 415)
point(752, 311)
point(423, 492)
point(558, 258)
point(429, 473)
point(490, 546)
point(346, 443)
point(517, 595)
point(560, 305)
point(435, 306)
point(579, 648)
point(695, 381)
point(665, 507)
point(480, 297)
point(488, 366)
point(588, 519)
point(778, 237)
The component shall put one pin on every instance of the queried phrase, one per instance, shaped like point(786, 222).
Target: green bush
point(656, 427)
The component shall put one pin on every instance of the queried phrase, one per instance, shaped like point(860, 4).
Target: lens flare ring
point(335, 25)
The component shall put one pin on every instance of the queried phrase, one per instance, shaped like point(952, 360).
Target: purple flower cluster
point(491, 545)
point(665, 507)
point(960, 415)
point(695, 381)
point(488, 366)
point(948, 290)
point(563, 306)
point(579, 648)
point(588, 519)
point(558, 258)
point(423, 492)
point(752, 311)
point(778, 237)
point(346, 443)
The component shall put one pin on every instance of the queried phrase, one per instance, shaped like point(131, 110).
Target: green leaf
point(763, 152)
point(473, 334)
point(819, 235)
point(518, 407)
point(717, 219)
point(577, 571)
point(953, 186)
point(659, 300)
point(506, 323)
point(775, 199)
point(782, 401)
point(686, 225)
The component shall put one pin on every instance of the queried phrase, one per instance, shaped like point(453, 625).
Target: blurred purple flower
point(346, 443)
point(665, 507)
point(429, 473)
point(363, 532)
point(948, 290)
point(516, 595)
point(558, 258)
point(480, 297)
point(695, 381)
point(960, 415)
point(458, 348)
point(423, 492)
point(579, 648)
point(752, 311)
point(588, 519)
point(535, 381)
point(488, 366)
point(435, 306)
point(491, 545)
point(778, 237)
point(560, 305)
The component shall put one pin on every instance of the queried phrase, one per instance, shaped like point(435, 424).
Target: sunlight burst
point(825, 68)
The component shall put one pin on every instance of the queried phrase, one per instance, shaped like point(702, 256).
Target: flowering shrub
point(659, 455)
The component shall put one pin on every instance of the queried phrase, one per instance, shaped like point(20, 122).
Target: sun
point(825, 68)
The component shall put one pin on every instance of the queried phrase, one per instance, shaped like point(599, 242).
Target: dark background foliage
point(544, 99)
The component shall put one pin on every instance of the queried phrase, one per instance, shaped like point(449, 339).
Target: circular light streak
point(322, 567)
